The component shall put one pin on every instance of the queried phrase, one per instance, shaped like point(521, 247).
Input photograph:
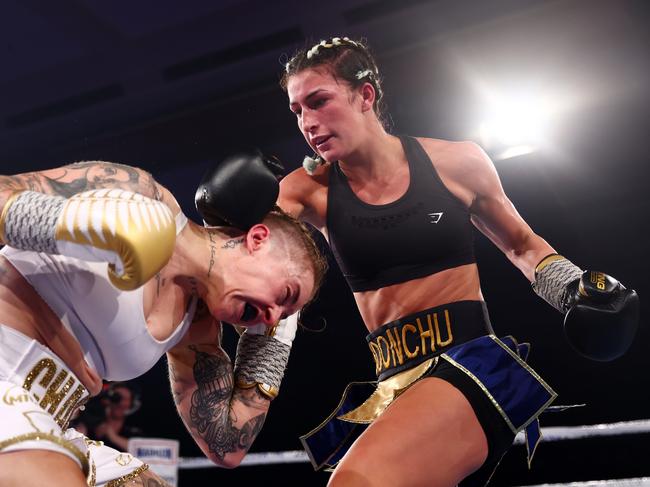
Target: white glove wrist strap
point(30, 221)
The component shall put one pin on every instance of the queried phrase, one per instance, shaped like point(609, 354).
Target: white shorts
point(38, 395)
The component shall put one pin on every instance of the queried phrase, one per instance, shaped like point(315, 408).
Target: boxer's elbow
point(229, 461)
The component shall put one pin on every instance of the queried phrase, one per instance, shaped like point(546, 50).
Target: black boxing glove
point(601, 315)
point(239, 192)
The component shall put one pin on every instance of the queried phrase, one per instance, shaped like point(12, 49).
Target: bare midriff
point(386, 304)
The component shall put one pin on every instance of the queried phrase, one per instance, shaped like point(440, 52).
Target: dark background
point(174, 86)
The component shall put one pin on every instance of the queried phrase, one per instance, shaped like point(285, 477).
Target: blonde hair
point(298, 239)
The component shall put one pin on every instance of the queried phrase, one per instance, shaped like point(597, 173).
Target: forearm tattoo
point(210, 411)
point(251, 397)
point(82, 176)
point(174, 380)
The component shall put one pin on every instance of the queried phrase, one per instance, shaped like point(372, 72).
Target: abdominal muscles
point(386, 304)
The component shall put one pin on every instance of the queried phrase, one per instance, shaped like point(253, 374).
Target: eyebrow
point(310, 95)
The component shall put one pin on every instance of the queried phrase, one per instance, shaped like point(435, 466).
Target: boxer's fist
point(603, 316)
point(239, 191)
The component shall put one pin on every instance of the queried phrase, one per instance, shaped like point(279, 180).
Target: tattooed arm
point(82, 176)
point(223, 419)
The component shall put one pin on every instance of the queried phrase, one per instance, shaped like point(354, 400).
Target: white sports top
point(108, 323)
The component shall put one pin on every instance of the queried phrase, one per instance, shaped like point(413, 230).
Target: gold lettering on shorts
point(53, 396)
point(450, 336)
point(395, 346)
point(412, 329)
point(43, 364)
point(376, 354)
point(56, 389)
point(425, 334)
point(385, 360)
point(10, 398)
point(374, 349)
point(64, 414)
point(390, 348)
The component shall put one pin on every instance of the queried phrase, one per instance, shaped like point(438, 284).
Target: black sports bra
point(425, 231)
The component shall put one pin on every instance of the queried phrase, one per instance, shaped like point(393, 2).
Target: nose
point(309, 123)
point(272, 315)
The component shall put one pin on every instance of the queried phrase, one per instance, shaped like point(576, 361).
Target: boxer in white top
point(69, 321)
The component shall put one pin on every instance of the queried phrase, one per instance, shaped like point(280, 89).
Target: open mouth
point(249, 313)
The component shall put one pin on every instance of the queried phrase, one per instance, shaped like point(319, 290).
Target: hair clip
point(313, 51)
point(363, 74)
point(334, 41)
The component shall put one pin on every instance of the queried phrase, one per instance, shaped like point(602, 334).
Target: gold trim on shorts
point(125, 478)
point(38, 436)
point(91, 478)
point(387, 391)
point(496, 404)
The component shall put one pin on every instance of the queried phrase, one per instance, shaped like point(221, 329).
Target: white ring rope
point(559, 433)
point(551, 433)
point(266, 458)
point(638, 482)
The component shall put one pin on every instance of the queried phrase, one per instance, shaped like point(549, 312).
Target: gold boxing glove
point(134, 234)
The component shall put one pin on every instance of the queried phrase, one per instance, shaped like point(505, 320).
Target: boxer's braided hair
point(348, 60)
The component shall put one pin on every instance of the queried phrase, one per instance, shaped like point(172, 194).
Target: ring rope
point(635, 482)
point(550, 433)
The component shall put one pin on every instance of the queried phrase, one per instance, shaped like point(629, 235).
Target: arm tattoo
point(155, 189)
point(22, 182)
point(210, 411)
point(173, 375)
point(82, 176)
point(92, 175)
point(251, 397)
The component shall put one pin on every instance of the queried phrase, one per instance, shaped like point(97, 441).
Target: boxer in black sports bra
point(398, 213)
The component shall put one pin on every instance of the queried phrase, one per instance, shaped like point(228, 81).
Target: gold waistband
point(408, 341)
point(46, 378)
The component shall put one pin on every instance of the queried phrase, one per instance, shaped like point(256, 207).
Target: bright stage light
point(515, 125)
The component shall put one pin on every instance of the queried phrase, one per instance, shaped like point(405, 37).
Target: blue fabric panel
point(329, 442)
point(519, 393)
